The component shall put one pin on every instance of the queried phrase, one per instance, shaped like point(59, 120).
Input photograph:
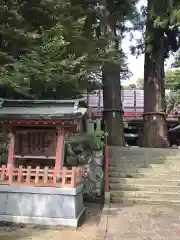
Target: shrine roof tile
point(41, 109)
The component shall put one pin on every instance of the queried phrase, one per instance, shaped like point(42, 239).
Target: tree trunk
point(155, 125)
point(113, 114)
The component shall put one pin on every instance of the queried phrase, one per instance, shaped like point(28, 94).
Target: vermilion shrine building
point(37, 129)
point(35, 187)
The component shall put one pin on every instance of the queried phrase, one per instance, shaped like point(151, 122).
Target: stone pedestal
point(90, 126)
point(41, 205)
point(98, 161)
point(98, 158)
point(98, 124)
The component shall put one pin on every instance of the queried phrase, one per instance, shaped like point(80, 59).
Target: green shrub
point(96, 140)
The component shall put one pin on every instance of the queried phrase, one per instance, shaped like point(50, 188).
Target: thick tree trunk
point(113, 114)
point(155, 125)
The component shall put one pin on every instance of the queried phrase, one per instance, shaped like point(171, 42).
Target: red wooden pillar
point(11, 149)
point(59, 150)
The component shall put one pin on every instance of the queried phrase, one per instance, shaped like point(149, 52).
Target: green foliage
point(140, 83)
point(176, 63)
point(53, 55)
point(174, 99)
point(130, 86)
point(172, 79)
point(50, 63)
point(52, 48)
point(165, 17)
point(96, 140)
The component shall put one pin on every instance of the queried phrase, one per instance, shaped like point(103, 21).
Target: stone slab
point(19, 204)
point(50, 207)
point(3, 199)
point(43, 220)
point(57, 206)
point(78, 204)
point(39, 190)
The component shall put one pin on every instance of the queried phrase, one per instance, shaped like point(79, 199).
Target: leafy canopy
point(49, 46)
point(172, 79)
point(176, 63)
point(57, 43)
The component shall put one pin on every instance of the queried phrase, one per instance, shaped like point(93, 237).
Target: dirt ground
point(143, 222)
point(86, 231)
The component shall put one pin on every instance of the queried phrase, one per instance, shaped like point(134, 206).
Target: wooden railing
point(46, 177)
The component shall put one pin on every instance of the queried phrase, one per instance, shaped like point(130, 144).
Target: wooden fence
point(46, 177)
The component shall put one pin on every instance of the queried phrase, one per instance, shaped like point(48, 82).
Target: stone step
point(145, 201)
point(144, 151)
point(150, 169)
point(152, 175)
point(142, 187)
point(133, 166)
point(144, 161)
point(146, 195)
point(145, 181)
point(140, 158)
point(132, 157)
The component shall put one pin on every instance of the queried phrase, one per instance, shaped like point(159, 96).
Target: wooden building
point(37, 129)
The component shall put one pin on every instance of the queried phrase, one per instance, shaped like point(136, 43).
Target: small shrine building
point(37, 129)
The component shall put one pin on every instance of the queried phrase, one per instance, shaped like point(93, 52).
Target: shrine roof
point(11, 109)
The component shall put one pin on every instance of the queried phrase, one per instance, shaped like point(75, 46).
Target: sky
point(136, 64)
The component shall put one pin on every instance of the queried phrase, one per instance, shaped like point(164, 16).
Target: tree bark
point(155, 125)
point(113, 114)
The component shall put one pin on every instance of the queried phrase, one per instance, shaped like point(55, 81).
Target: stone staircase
point(144, 175)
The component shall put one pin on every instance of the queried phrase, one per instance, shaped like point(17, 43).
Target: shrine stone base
point(48, 206)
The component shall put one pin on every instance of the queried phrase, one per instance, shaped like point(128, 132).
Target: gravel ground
point(86, 231)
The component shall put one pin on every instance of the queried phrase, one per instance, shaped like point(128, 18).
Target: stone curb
point(103, 224)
